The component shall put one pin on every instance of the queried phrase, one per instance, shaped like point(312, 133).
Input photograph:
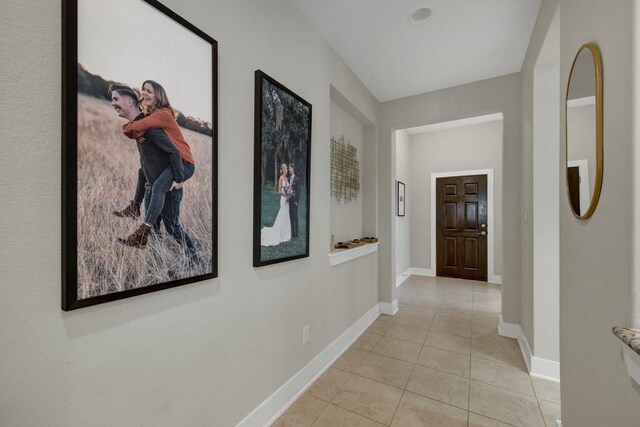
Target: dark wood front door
point(461, 227)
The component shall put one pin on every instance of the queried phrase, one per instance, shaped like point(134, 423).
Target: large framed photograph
point(400, 198)
point(282, 173)
point(139, 144)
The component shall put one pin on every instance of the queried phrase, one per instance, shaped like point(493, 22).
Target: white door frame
point(491, 276)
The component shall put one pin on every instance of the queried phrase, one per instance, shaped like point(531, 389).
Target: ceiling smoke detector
point(420, 16)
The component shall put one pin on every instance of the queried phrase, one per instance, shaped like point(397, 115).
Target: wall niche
point(353, 172)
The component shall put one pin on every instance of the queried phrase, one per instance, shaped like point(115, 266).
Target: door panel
point(450, 190)
point(471, 188)
point(471, 255)
point(461, 220)
point(450, 216)
point(471, 216)
point(450, 252)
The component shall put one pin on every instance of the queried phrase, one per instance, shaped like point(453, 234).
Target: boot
point(131, 211)
point(139, 237)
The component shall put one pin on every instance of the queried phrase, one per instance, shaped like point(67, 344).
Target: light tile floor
point(438, 362)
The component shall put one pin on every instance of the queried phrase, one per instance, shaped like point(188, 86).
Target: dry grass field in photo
point(108, 164)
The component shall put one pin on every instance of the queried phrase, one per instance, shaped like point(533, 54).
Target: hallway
point(438, 362)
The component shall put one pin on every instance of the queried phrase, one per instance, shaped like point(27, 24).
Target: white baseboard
point(538, 367)
point(495, 279)
point(509, 330)
point(413, 271)
point(545, 369)
point(525, 349)
point(389, 308)
point(276, 404)
point(632, 362)
point(421, 271)
point(401, 278)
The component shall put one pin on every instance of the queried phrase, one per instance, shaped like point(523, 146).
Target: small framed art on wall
point(400, 198)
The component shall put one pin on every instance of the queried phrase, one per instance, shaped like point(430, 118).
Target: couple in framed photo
point(105, 257)
point(285, 226)
point(166, 236)
point(166, 164)
point(282, 172)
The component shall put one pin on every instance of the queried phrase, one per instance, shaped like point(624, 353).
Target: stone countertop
point(630, 337)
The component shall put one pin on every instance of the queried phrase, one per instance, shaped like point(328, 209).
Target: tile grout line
point(503, 389)
point(404, 340)
point(351, 412)
point(537, 400)
point(370, 379)
point(493, 385)
point(431, 398)
point(494, 419)
point(470, 352)
point(404, 391)
point(341, 388)
point(442, 305)
point(348, 410)
point(316, 418)
point(441, 371)
point(416, 362)
point(399, 402)
point(470, 378)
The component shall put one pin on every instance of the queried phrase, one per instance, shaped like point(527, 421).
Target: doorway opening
point(465, 147)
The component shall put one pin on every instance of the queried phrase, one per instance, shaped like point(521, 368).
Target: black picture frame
point(82, 289)
point(292, 123)
point(400, 198)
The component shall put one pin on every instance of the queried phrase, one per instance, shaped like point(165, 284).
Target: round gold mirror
point(583, 124)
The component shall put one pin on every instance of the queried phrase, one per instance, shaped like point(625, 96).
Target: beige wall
point(200, 354)
point(470, 147)
point(404, 232)
point(541, 172)
point(596, 256)
point(500, 94)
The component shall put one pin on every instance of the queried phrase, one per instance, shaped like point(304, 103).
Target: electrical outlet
point(305, 334)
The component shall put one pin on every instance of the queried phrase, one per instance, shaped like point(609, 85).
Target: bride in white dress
point(281, 229)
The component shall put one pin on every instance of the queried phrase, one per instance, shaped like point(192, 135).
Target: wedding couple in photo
point(285, 227)
point(166, 162)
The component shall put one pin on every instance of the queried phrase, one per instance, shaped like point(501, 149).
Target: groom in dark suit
point(294, 182)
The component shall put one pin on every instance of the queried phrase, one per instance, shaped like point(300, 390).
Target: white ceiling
point(455, 123)
point(463, 41)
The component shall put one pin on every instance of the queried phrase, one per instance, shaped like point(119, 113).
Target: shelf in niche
point(345, 255)
point(630, 350)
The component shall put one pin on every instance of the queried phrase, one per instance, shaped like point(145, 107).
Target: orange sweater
point(161, 118)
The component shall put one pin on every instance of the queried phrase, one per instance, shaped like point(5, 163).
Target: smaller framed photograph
point(282, 173)
point(400, 198)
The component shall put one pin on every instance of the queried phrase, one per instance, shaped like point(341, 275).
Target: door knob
point(482, 233)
